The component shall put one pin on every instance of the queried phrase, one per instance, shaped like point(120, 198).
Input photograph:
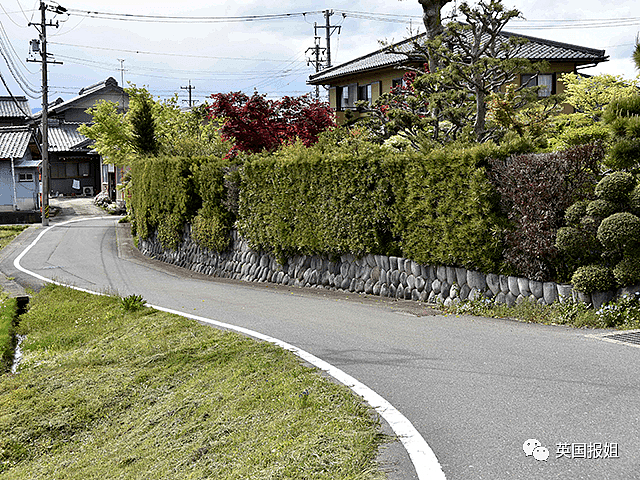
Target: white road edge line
point(424, 460)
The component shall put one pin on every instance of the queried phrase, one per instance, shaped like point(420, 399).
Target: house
point(368, 77)
point(20, 162)
point(76, 169)
point(14, 111)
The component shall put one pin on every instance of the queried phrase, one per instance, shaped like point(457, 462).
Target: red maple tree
point(255, 124)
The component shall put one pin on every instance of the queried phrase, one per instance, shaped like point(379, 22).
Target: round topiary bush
point(634, 200)
point(568, 239)
point(602, 208)
point(575, 212)
point(593, 278)
point(616, 187)
point(627, 272)
point(619, 232)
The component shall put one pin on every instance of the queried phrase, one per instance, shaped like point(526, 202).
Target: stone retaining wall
point(381, 275)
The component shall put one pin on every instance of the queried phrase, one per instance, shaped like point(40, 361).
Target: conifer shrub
point(627, 272)
point(615, 187)
point(602, 208)
point(593, 278)
point(575, 212)
point(619, 232)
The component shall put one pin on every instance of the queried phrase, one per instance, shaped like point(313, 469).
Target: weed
point(623, 313)
point(132, 303)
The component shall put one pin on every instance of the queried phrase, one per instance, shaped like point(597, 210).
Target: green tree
point(174, 132)
point(144, 130)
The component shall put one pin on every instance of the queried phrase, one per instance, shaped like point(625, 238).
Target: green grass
point(7, 306)
point(7, 315)
point(104, 392)
point(577, 315)
point(9, 232)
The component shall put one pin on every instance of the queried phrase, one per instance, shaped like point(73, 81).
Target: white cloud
point(268, 55)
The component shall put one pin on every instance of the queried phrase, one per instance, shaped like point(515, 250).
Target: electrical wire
point(9, 17)
point(187, 19)
point(20, 80)
point(27, 114)
point(167, 54)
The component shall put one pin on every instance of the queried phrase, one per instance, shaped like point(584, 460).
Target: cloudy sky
point(226, 45)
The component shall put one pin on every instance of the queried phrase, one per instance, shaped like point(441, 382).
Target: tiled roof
point(66, 138)
point(14, 142)
point(14, 108)
point(536, 49)
point(60, 104)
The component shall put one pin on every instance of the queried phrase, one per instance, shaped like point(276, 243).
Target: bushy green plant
point(132, 303)
point(210, 232)
point(575, 212)
point(634, 200)
point(627, 272)
point(619, 232)
point(593, 278)
point(615, 187)
point(601, 208)
point(623, 312)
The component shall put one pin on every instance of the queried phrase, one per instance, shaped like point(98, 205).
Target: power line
point(188, 19)
point(167, 54)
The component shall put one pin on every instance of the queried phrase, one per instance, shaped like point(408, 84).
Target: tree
point(255, 124)
point(144, 130)
point(151, 127)
point(636, 54)
point(474, 61)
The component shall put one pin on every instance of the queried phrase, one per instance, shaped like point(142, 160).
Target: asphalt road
point(476, 389)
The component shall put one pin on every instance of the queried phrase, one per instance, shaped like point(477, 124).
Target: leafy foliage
point(535, 190)
point(257, 124)
point(593, 278)
point(330, 198)
point(144, 129)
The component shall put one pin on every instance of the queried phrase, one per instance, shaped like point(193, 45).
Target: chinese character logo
point(533, 447)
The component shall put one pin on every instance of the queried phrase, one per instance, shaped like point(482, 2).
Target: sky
point(226, 45)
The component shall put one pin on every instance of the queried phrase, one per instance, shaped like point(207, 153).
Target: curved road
point(476, 389)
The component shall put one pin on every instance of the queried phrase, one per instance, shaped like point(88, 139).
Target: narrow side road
point(476, 389)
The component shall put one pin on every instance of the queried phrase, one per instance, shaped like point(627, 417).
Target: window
point(25, 177)
point(364, 93)
point(70, 169)
point(347, 95)
point(544, 80)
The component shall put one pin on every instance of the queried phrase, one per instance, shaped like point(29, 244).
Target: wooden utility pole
point(45, 102)
point(189, 88)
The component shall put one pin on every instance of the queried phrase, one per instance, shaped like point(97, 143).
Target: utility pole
point(121, 60)
point(189, 88)
point(329, 30)
point(317, 51)
point(45, 101)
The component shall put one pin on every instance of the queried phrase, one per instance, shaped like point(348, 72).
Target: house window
point(25, 177)
point(546, 81)
point(70, 170)
point(364, 93)
point(347, 95)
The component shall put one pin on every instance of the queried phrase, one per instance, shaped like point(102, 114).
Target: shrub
point(602, 208)
point(627, 272)
point(619, 232)
point(615, 187)
point(622, 312)
point(449, 213)
point(210, 232)
point(536, 190)
point(575, 212)
point(593, 278)
point(634, 200)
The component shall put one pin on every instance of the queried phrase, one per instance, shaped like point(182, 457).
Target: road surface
point(476, 389)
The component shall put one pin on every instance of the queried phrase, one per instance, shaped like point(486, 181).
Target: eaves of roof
point(66, 138)
point(536, 49)
point(17, 107)
point(14, 142)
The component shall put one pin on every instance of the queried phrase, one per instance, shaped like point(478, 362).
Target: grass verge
point(9, 232)
point(622, 313)
point(8, 308)
point(110, 392)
